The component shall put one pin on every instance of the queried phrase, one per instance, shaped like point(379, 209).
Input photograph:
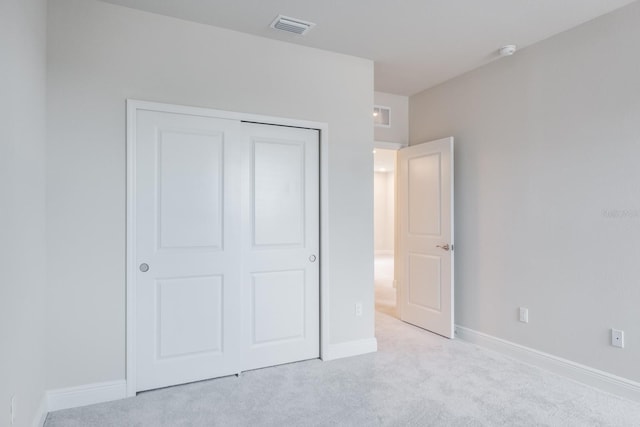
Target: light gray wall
point(22, 213)
point(399, 130)
point(548, 191)
point(99, 55)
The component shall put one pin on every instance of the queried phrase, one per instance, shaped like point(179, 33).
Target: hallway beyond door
point(385, 293)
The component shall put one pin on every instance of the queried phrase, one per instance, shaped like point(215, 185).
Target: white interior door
point(424, 268)
point(280, 246)
point(226, 245)
point(188, 234)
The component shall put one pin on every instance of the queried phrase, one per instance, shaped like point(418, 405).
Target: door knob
point(312, 258)
point(144, 267)
point(445, 247)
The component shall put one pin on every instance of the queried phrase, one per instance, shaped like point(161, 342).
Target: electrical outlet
point(617, 338)
point(13, 409)
point(358, 309)
point(524, 315)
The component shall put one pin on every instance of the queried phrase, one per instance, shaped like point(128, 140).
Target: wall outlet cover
point(524, 314)
point(617, 338)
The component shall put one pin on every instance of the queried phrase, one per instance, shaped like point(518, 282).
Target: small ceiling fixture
point(292, 25)
point(507, 50)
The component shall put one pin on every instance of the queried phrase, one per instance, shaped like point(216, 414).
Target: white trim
point(350, 348)
point(324, 240)
point(88, 394)
point(390, 145)
point(567, 368)
point(134, 104)
point(132, 107)
point(41, 412)
point(130, 368)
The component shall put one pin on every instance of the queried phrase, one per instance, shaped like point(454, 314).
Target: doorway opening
point(413, 278)
point(384, 212)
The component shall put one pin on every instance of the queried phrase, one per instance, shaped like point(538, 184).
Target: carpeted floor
point(415, 379)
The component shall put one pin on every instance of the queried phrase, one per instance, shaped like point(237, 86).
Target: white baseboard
point(567, 368)
point(350, 348)
point(73, 397)
point(41, 413)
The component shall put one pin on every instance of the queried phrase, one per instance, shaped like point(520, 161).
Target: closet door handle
point(445, 247)
point(312, 258)
point(144, 267)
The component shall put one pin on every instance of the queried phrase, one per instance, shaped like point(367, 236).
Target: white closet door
point(280, 246)
point(188, 233)
point(226, 247)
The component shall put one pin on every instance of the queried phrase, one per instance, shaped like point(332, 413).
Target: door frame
point(132, 108)
point(386, 145)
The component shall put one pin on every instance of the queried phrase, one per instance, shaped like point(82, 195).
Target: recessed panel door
point(280, 246)
point(425, 238)
point(187, 248)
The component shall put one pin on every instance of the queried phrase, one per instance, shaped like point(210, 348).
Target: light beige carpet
point(415, 379)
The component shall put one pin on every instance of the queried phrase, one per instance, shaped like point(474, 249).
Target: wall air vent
point(292, 25)
point(381, 116)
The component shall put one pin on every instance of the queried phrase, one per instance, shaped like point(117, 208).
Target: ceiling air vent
point(292, 25)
